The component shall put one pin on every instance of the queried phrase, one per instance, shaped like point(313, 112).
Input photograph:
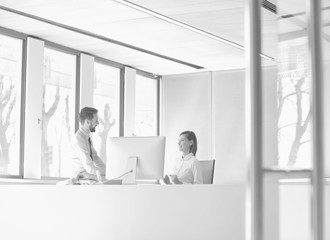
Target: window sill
point(7, 181)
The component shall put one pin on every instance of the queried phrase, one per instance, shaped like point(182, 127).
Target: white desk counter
point(103, 212)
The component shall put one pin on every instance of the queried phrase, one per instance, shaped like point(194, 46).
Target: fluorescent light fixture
point(186, 26)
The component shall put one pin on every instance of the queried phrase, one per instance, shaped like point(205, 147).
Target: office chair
point(208, 171)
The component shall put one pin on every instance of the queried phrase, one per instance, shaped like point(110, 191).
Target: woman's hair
point(190, 135)
point(87, 113)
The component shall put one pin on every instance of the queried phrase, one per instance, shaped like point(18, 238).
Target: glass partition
point(284, 37)
point(288, 166)
point(10, 104)
point(107, 101)
point(58, 112)
point(146, 107)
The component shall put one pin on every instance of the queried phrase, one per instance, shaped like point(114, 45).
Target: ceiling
point(114, 31)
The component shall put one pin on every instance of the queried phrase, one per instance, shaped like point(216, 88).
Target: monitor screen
point(149, 151)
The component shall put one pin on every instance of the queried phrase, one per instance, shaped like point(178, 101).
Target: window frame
point(121, 68)
point(158, 79)
point(76, 53)
point(17, 35)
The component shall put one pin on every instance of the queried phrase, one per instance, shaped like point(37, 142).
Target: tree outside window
point(146, 109)
point(58, 113)
point(107, 101)
point(294, 111)
point(10, 93)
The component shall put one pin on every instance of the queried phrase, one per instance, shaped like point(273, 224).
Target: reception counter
point(103, 212)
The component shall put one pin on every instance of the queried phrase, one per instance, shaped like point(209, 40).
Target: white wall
point(145, 212)
point(229, 126)
point(213, 106)
point(186, 105)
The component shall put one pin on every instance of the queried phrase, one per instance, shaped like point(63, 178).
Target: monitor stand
point(130, 178)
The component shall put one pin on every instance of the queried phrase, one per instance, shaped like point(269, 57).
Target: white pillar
point(86, 80)
point(33, 108)
point(129, 102)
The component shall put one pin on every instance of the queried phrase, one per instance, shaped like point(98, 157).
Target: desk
point(122, 212)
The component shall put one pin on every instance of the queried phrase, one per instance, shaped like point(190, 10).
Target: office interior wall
point(213, 105)
point(186, 105)
point(227, 140)
point(228, 88)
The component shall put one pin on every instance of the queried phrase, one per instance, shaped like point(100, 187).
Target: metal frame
point(77, 108)
point(122, 100)
point(67, 50)
point(316, 69)
point(254, 206)
point(121, 87)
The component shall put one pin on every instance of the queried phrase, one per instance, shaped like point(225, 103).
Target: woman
point(187, 169)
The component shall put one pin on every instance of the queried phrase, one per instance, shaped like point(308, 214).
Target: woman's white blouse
point(188, 169)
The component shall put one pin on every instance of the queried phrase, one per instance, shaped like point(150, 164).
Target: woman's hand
point(175, 180)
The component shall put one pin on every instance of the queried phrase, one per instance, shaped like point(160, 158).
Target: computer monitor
point(149, 151)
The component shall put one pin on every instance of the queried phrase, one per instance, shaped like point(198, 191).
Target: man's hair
point(190, 135)
point(87, 113)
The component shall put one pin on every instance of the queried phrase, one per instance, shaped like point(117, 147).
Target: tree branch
point(10, 109)
point(306, 122)
point(305, 142)
point(286, 125)
point(53, 108)
point(5, 99)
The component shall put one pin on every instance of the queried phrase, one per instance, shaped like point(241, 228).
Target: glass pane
point(287, 210)
point(287, 85)
point(10, 99)
point(146, 107)
point(58, 112)
point(287, 119)
point(107, 101)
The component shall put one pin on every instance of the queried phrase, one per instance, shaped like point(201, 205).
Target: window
point(107, 101)
point(294, 136)
point(146, 109)
point(10, 107)
point(58, 112)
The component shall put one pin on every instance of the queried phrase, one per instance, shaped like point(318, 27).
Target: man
point(86, 163)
